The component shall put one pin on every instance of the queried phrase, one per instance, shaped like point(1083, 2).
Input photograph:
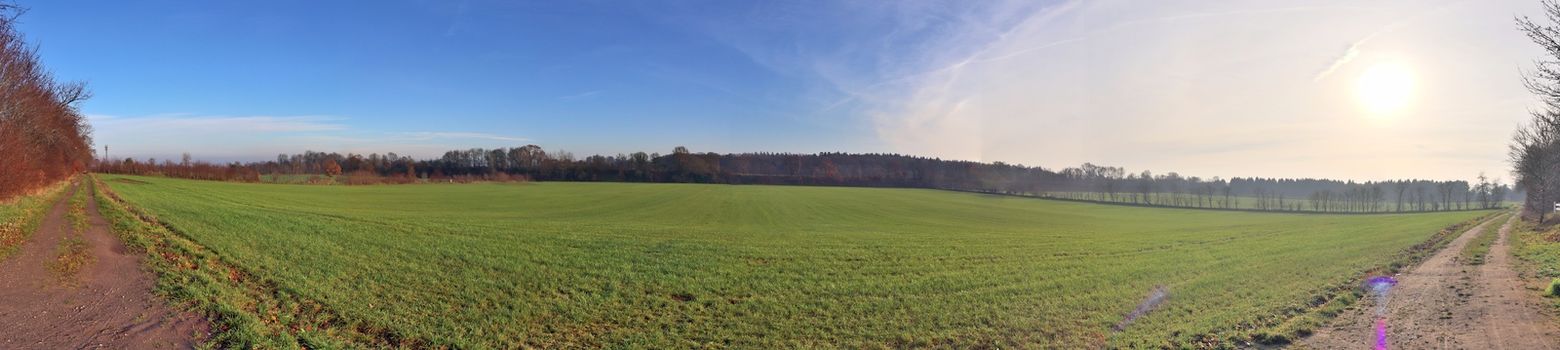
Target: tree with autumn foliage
point(43, 136)
point(332, 168)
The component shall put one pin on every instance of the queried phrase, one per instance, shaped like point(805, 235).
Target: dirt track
point(1447, 304)
point(107, 304)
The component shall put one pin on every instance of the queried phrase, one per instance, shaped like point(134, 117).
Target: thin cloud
point(430, 135)
point(1354, 48)
point(193, 123)
point(456, 20)
point(1348, 55)
point(581, 95)
point(1161, 87)
point(1201, 15)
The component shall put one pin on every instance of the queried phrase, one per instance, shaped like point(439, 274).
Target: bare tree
point(1535, 148)
point(1400, 188)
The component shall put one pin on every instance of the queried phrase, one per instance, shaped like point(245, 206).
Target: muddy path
point(105, 303)
point(1446, 303)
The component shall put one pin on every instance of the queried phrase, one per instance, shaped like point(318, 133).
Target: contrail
point(1354, 48)
point(1353, 51)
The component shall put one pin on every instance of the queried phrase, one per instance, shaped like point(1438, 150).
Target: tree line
point(1114, 184)
point(1534, 152)
point(1086, 182)
point(186, 168)
point(43, 136)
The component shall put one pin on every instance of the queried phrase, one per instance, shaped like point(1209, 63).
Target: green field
point(717, 266)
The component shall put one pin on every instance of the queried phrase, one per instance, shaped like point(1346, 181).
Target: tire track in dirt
point(1445, 303)
point(107, 304)
point(1512, 318)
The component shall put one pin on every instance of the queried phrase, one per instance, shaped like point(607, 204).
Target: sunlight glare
point(1385, 88)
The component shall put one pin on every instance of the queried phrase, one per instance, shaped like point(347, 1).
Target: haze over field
point(1427, 89)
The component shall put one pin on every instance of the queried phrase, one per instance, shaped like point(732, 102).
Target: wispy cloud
point(1353, 51)
point(582, 95)
point(1186, 86)
point(457, 20)
point(431, 135)
point(196, 123)
point(1349, 54)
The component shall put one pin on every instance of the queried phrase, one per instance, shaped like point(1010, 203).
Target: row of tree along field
point(43, 137)
point(1087, 182)
point(1309, 195)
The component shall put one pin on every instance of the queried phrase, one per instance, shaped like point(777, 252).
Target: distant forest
point(1087, 182)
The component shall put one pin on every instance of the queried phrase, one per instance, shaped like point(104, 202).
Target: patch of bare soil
point(1447, 304)
point(108, 303)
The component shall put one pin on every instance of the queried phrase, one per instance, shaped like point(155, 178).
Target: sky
point(1329, 89)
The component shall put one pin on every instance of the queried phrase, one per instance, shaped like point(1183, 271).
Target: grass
point(20, 216)
point(296, 179)
point(1537, 249)
point(71, 255)
point(1475, 251)
point(568, 265)
point(343, 179)
point(76, 215)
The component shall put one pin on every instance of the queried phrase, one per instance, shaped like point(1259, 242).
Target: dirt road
point(107, 303)
point(1445, 303)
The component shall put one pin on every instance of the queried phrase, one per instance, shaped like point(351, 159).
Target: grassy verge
point(21, 216)
point(246, 312)
point(1341, 296)
point(1537, 249)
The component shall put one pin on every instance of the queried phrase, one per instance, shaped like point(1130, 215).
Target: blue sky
point(588, 77)
point(1228, 88)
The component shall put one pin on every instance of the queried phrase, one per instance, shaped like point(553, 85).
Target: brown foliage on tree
point(187, 168)
point(43, 137)
point(332, 168)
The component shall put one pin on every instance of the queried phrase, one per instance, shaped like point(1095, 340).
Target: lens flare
point(1381, 288)
point(1155, 298)
point(1381, 334)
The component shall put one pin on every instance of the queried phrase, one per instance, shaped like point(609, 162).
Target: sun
point(1385, 88)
